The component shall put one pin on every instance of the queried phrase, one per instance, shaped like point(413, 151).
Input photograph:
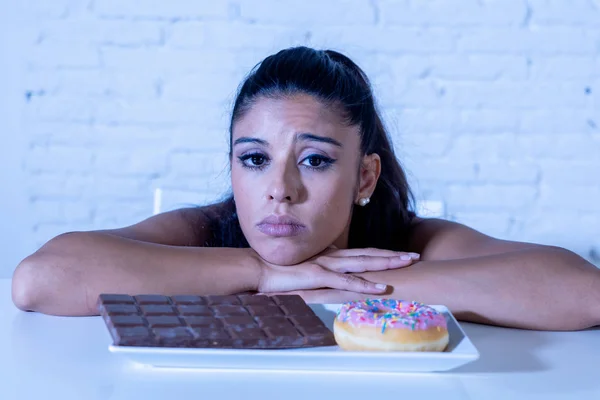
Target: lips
point(281, 226)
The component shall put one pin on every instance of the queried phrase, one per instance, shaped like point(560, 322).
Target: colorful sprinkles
point(389, 313)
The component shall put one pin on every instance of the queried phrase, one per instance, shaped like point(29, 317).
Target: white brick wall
point(494, 106)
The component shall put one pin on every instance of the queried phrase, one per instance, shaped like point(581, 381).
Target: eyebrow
point(301, 136)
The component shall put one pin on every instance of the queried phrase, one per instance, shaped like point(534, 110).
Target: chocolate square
point(245, 321)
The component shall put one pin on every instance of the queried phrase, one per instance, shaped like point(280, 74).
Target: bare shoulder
point(182, 227)
point(439, 239)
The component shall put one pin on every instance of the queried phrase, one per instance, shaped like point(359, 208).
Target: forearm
point(539, 288)
point(66, 276)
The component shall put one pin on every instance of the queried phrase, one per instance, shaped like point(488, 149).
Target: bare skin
point(481, 279)
point(66, 275)
point(280, 179)
point(486, 280)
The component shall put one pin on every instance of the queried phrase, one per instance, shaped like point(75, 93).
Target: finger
point(362, 263)
point(325, 296)
point(352, 283)
point(373, 252)
point(312, 296)
point(298, 292)
point(309, 296)
point(319, 296)
point(331, 296)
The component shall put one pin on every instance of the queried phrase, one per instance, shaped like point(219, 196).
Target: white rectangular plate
point(460, 351)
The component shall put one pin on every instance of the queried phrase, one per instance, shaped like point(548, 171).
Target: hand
point(363, 260)
point(329, 270)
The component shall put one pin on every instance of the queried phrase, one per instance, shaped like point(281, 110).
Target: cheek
point(242, 193)
point(334, 200)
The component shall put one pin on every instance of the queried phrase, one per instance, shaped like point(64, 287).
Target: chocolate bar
point(244, 321)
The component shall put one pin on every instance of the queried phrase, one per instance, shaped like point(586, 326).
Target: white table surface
point(67, 357)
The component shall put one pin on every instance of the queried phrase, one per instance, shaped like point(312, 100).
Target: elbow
point(584, 282)
point(40, 284)
point(50, 281)
point(593, 318)
point(35, 277)
point(26, 290)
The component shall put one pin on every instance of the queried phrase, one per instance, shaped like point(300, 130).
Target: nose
point(285, 184)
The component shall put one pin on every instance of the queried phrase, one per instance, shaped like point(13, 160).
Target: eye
point(314, 161)
point(253, 161)
point(317, 162)
point(257, 159)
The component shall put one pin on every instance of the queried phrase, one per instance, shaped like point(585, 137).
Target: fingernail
point(414, 256)
point(405, 257)
point(381, 286)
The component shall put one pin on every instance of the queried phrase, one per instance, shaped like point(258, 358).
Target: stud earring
point(364, 201)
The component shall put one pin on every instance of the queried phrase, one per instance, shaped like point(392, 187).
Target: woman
point(322, 208)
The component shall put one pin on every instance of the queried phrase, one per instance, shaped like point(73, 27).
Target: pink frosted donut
point(390, 325)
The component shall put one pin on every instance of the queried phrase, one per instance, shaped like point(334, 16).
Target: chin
point(283, 256)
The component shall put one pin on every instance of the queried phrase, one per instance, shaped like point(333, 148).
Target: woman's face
point(295, 177)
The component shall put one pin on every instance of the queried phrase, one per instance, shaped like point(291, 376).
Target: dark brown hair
point(335, 80)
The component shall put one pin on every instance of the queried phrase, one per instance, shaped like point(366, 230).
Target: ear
point(370, 169)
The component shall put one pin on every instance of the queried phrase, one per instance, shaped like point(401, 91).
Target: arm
point(164, 255)
point(158, 255)
point(486, 280)
point(498, 282)
point(538, 288)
